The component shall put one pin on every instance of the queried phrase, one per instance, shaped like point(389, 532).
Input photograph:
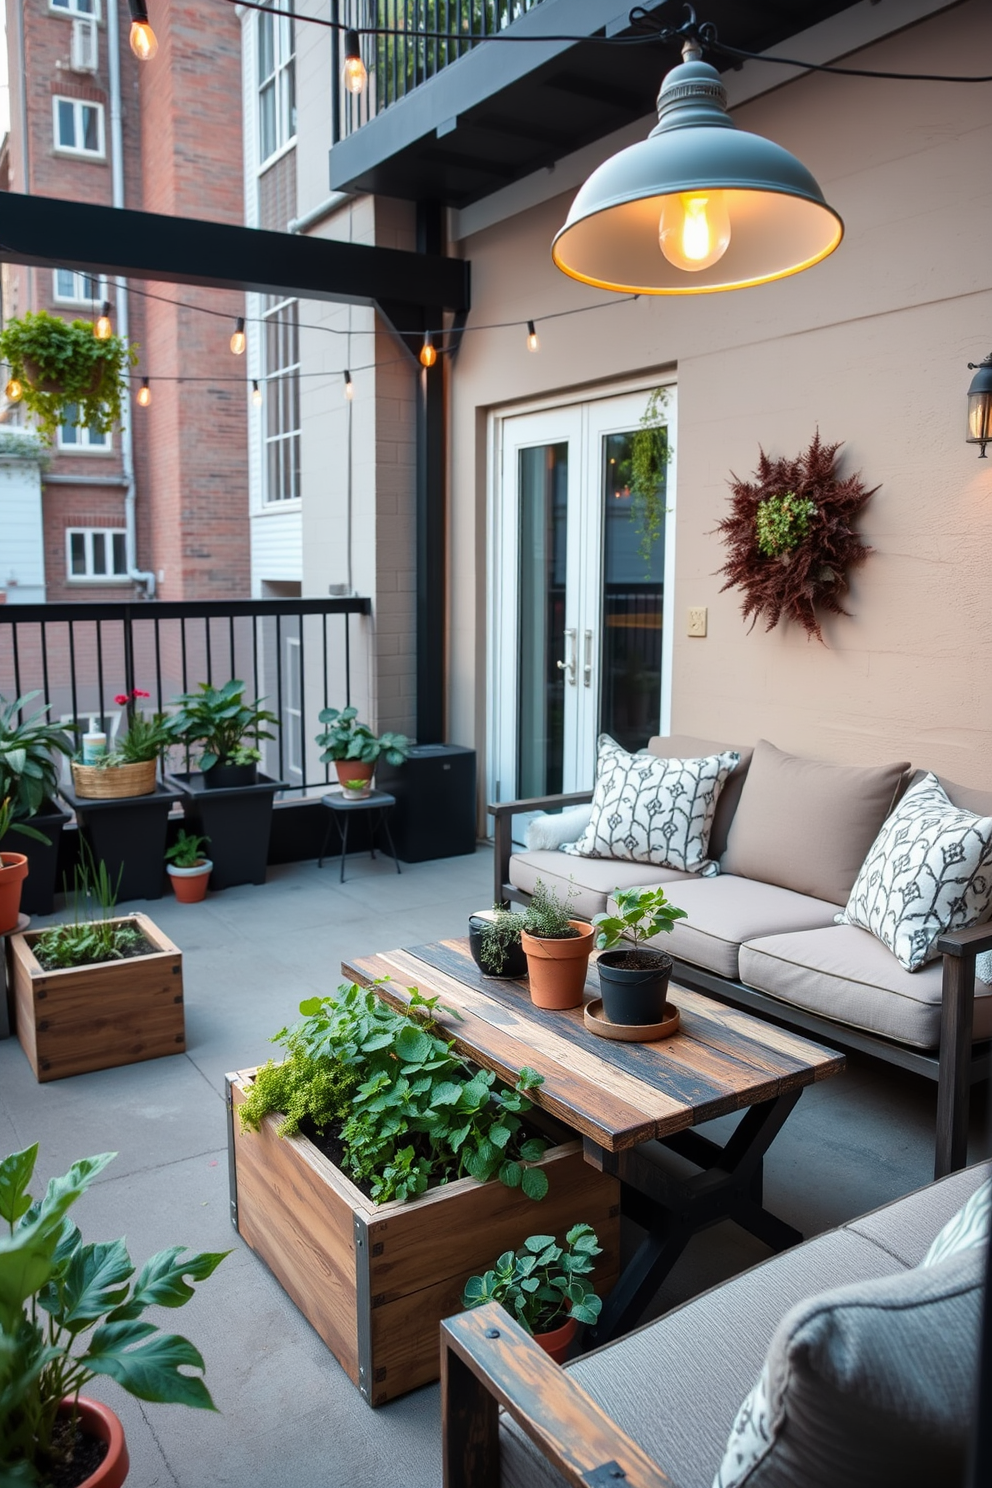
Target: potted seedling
point(494, 940)
point(70, 1312)
point(188, 868)
point(633, 976)
point(544, 1287)
point(356, 789)
point(557, 950)
point(29, 751)
point(354, 749)
point(61, 367)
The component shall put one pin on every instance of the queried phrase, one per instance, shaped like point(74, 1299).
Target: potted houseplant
point(494, 940)
point(13, 872)
point(412, 1165)
point(228, 729)
point(354, 749)
point(557, 950)
point(71, 1311)
point(62, 366)
point(129, 768)
point(188, 868)
point(29, 750)
point(544, 1286)
point(633, 977)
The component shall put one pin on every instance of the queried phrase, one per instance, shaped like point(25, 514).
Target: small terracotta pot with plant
point(544, 1287)
point(188, 868)
point(556, 946)
point(633, 976)
point(355, 750)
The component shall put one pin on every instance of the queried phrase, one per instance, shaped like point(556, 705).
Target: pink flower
point(139, 693)
point(123, 699)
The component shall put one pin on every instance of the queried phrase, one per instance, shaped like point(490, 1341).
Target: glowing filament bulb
point(694, 231)
point(103, 330)
point(144, 43)
point(256, 393)
point(144, 394)
point(354, 72)
point(428, 352)
point(533, 344)
point(349, 387)
point(238, 337)
point(14, 391)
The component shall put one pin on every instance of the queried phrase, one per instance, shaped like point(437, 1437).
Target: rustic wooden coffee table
point(629, 1101)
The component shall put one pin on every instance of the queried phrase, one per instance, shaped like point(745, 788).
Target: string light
point(238, 340)
point(144, 42)
point(349, 386)
point(354, 72)
point(103, 330)
point(256, 393)
point(144, 394)
point(14, 391)
point(533, 344)
point(428, 352)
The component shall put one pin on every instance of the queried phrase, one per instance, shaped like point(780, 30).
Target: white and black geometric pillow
point(968, 1228)
point(651, 810)
point(929, 870)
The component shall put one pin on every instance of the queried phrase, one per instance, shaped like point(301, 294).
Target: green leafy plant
point(221, 721)
point(408, 1112)
point(147, 737)
point(70, 1311)
point(347, 739)
point(640, 915)
point(650, 454)
point(62, 367)
point(187, 850)
point(87, 938)
point(19, 444)
point(357, 785)
point(498, 937)
point(546, 917)
point(782, 522)
point(543, 1283)
point(28, 769)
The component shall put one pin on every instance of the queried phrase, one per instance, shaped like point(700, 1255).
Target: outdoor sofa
point(789, 836)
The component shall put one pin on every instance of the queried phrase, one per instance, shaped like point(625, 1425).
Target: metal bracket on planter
point(606, 1475)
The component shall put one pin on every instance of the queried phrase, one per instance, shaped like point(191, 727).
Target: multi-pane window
point(96, 553)
point(276, 83)
point(81, 437)
point(280, 322)
point(78, 126)
point(77, 7)
point(72, 288)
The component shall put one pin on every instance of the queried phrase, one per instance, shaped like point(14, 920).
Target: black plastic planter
point(223, 776)
point(236, 819)
point(514, 966)
point(634, 997)
point(128, 834)
point(38, 889)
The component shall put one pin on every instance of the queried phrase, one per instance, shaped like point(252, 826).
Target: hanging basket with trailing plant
point(790, 539)
point(66, 373)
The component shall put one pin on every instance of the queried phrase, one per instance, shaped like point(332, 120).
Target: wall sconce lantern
point(980, 404)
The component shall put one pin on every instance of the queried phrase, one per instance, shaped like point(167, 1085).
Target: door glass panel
point(543, 488)
point(630, 698)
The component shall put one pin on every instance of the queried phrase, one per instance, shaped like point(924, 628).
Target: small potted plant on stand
point(543, 1286)
point(54, 1291)
point(188, 868)
point(29, 751)
point(633, 977)
point(61, 367)
point(354, 749)
point(557, 950)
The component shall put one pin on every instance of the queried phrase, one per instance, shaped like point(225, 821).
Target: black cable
point(904, 77)
point(458, 37)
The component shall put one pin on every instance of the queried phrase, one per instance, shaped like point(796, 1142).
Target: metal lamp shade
point(980, 406)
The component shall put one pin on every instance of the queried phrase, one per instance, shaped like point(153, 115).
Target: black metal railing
point(397, 64)
point(301, 655)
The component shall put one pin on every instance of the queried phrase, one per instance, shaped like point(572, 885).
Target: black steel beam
point(49, 232)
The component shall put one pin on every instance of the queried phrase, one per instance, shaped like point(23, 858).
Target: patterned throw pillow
point(929, 870)
point(751, 1436)
point(651, 810)
point(969, 1227)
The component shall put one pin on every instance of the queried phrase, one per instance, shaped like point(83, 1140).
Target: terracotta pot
point(353, 770)
point(556, 1343)
point(99, 1420)
point(13, 872)
point(190, 884)
point(556, 969)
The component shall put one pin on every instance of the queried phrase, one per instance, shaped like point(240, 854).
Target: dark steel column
point(431, 509)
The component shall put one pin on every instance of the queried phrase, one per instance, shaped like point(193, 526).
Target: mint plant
point(543, 1283)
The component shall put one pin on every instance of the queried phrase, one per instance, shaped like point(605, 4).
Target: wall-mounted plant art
point(789, 537)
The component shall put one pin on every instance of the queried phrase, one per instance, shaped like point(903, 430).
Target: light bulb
point(103, 330)
point(533, 344)
point(144, 394)
point(349, 387)
point(238, 338)
point(694, 230)
point(428, 352)
point(144, 43)
point(14, 391)
point(354, 72)
point(256, 393)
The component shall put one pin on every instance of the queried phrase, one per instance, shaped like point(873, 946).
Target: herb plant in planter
point(634, 977)
point(544, 1286)
point(354, 749)
point(64, 368)
point(71, 1311)
point(188, 868)
point(494, 940)
point(557, 950)
point(128, 769)
point(32, 823)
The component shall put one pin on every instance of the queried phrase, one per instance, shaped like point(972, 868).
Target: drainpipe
point(140, 576)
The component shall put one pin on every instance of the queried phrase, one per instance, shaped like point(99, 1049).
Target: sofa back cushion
point(807, 825)
point(687, 746)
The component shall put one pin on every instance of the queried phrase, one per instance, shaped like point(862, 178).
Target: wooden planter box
point(95, 1017)
point(376, 1280)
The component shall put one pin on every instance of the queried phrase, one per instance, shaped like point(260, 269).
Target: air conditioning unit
point(84, 54)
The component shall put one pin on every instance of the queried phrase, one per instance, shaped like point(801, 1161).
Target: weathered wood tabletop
point(616, 1094)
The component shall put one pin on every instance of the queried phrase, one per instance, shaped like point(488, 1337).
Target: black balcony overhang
point(504, 110)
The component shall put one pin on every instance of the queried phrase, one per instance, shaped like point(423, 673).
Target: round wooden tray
point(630, 1033)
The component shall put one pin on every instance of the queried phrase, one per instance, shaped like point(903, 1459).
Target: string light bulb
point(349, 386)
point(144, 42)
point(144, 394)
point(533, 344)
point(428, 352)
point(14, 391)
point(103, 330)
point(354, 72)
point(256, 393)
point(238, 340)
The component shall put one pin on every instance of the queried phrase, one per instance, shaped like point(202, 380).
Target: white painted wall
point(22, 544)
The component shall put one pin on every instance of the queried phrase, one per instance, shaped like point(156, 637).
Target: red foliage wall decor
point(789, 537)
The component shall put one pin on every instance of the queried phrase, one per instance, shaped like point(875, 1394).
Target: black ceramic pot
point(634, 997)
point(227, 777)
point(514, 962)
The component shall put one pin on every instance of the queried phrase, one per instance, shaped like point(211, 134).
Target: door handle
point(587, 666)
point(568, 665)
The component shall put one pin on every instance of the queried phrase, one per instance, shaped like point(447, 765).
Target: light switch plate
point(697, 620)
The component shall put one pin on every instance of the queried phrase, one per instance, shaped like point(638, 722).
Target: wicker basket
point(116, 781)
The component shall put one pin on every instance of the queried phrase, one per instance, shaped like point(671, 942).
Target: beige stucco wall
point(871, 347)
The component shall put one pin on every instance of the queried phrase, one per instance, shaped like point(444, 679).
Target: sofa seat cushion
point(844, 973)
point(723, 912)
point(592, 880)
point(907, 1227)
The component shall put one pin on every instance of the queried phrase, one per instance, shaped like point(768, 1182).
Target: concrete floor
point(289, 1417)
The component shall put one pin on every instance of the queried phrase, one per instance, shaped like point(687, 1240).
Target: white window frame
point(83, 445)
point(75, 150)
point(77, 278)
point(72, 11)
point(282, 80)
point(276, 379)
point(89, 577)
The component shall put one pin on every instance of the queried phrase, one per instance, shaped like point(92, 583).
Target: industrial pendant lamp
point(980, 404)
point(698, 206)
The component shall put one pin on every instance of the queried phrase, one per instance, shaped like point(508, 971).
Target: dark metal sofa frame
point(955, 1066)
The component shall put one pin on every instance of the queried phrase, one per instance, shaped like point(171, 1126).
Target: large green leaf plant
point(70, 1311)
point(28, 772)
point(64, 369)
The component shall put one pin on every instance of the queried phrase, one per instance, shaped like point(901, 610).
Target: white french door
point(579, 624)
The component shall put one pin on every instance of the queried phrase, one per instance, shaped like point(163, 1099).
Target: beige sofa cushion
point(591, 879)
point(687, 746)
point(807, 825)
point(725, 911)
point(846, 974)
